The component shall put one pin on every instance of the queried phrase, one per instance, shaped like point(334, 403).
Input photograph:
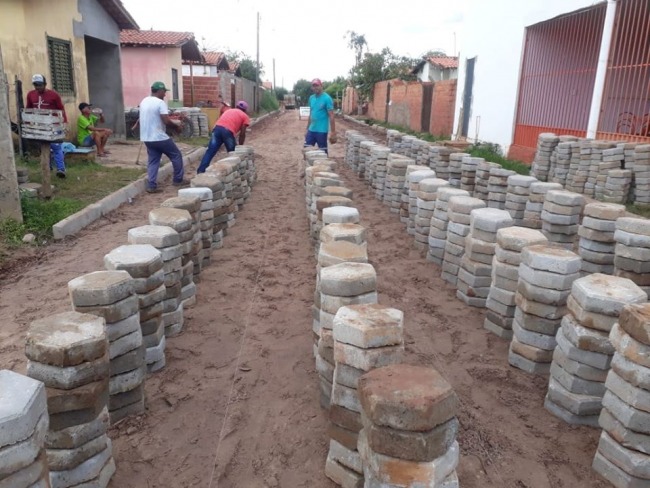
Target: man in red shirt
point(46, 99)
point(230, 123)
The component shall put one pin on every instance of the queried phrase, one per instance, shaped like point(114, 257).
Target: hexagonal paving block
point(551, 259)
point(336, 252)
point(348, 279)
point(178, 219)
point(100, 288)
point(604, 294)
point(159, 236)
point(369, 326)
point(22, 403)
point(139, 260)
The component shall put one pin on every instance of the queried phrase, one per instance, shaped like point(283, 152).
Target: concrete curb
point(75, 222)
point(376, 128)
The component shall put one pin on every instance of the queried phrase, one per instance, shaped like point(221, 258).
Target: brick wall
point(442, 108)
point(205, 88)
point(377, 109)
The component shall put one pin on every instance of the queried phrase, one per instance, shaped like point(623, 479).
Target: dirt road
point(237, 404)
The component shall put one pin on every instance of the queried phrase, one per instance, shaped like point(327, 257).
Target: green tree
point(246, 64)
point(356, 42)
point(302, 90)
point(280, 93)
point(335, 89)
point(376, 67)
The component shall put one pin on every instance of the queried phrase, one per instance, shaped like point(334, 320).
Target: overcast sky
point(306, 39)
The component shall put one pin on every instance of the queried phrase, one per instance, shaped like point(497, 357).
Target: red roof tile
point(135, 37)
point(444, 61)
point(213, 57)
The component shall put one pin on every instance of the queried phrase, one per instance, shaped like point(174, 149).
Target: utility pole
point(273, 74)
point(257, 67)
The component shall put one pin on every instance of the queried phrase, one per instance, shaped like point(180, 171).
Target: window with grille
point(61, 70)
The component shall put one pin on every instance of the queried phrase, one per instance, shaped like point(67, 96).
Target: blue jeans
point(220, 135)
point(155, 150)
point(316, 138)
point(56, 156)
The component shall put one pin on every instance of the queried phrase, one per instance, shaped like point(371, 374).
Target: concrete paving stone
point(173, 318)
point(502, 282)
point(633, 373)
point(630, 394)
point(476, 268)
point(413, 446)
point(27, 476)
point(591, 320)
point(325, 368)
point(17, 456)
point(343, 436)
point(341, 215)
point(596, 257)
point(77, 435)
point(605, 294)
point(632, 239)
point(64, 420)
point(173, 291)
point(635, 321)
point(525, 363)
point(127, 381)
point(367, 359)
point(616, 476)
point(633, 225)
point(190, 203)
point(337, 252)
point(482, 235)
point(153, 339)
point(458, 229)
point(145, 285)
point(578, 369)
point(555, 219)
point(136, 408)
point(342, 475)
point(574, 384)
point(347, 375)
point(630, 417)
point(202, 193)
point(490, 219)
point(369, 326)
point(115, 312)
point(567, 416)
point(567, 198)
point(596, 247)
point(533, 339)
point(544, 279)
point(550, 259)
point(175, 265)
point(150, 317)
point(593, 359)
point(474, 281)
point(632, 462)
point(629, 347)
point(155, 353)
point(66, 339)
point(344, 456)
point(90, 396)
point(152, 297)
point(498, 330)
point(69, 377)
point(343, 232)
point(125, 344)
point(471, 301)
point(407, 397)
point(504, 256)
point(556, 209)
point(156, 366)
point(344, 417)
point(84, 472)
point(348, 279)
point(542, 295)
point(575, 403)
point(402, 472)
point(633, 265)
point(596, 235)
point(124, 327)
point(158, 236)
point(139, 260)
point(326, 353)
point(598, 224)
point(128, 361)
point(178, 219)
point(345, 397)
point(326, 320)
point(100, 288)
point(624, 436)
point(67, 459)
point(532, 307)
point(585, 338)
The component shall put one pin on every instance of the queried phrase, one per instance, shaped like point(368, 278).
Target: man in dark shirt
point(46, 99)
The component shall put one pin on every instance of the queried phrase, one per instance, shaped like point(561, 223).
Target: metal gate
point(427, 101)
point(467, 94)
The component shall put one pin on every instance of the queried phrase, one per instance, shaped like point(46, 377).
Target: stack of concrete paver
point(378, 168)
point(167, 241)
point(545, 277)
point(365, 337)
point(623, 455)
point(414, 179)
point(312, 157)
point(598, 149)
point(225, 171)
point(409, 428)
point(206, 226)
point(582, 174)
point(182, 222)
point(191, 238)
point(337, 215)
point(111, 295)
point(393, 137)
point(247, 155)
point(321, 203)
point(612, 159)
point(468, 168)
point(642, 174)
point(617, 186)
point(326, 305)
point(517, 196)
point(364, 159)
point(343, 284)
point(572, 180)
point(321, 180)
point(421, 152)
point(596, 245)
point(439, 160)
point(535, 204)
point(482, 176)
point(498, 187)
point(395, 181)
point(406, 205)
point(632, 250)
point(427, 196)
point(456, 168)
point(501, 303)
point(475, 273)
point(202, 236)
point(439, 223)
point(562, 160)
point(584, 351)
point(408, 142)
point(353, 144)
point(318, 170)
point(144, 264)
point(541, 166)
point(458, 213)
point(23, 425)
point(217, 201)
point(561, 216)
point(69, 353)
point(354, 233)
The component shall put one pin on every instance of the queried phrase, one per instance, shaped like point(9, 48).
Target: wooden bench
point(81, 153)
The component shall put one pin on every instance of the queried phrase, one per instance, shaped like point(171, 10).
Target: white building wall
point(494, 32)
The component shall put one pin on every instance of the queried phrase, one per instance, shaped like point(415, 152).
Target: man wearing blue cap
point(154, 116)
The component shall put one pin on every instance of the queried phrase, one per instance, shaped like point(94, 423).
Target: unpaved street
point(238, 403)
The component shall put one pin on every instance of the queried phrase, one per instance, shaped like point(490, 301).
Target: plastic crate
point(42, 125)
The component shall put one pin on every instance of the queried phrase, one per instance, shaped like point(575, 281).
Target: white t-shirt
point(152, 128)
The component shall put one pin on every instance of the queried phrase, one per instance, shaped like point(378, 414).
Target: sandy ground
point(237, 404)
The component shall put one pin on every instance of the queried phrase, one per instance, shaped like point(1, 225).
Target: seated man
point(88, 134)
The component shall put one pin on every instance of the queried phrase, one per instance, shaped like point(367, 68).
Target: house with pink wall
point(149, 56)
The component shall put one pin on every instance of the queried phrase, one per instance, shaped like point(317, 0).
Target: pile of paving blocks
point(535, 203)
point(597, 245)
point(632, 250)
point(395, 181)
point(498, 187)
point(560, 216)
point(439, 223)
point(517, 197)
point(426, 197)
point(414, 179)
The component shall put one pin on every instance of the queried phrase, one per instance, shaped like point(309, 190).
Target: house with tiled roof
point(436, 68)
point(213, 62)
point(149, 55)
point(75, 45)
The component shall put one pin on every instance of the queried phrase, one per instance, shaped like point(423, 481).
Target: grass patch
point(641, 210)
point(196, 141)
point(425, 136)
point(492, 153)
